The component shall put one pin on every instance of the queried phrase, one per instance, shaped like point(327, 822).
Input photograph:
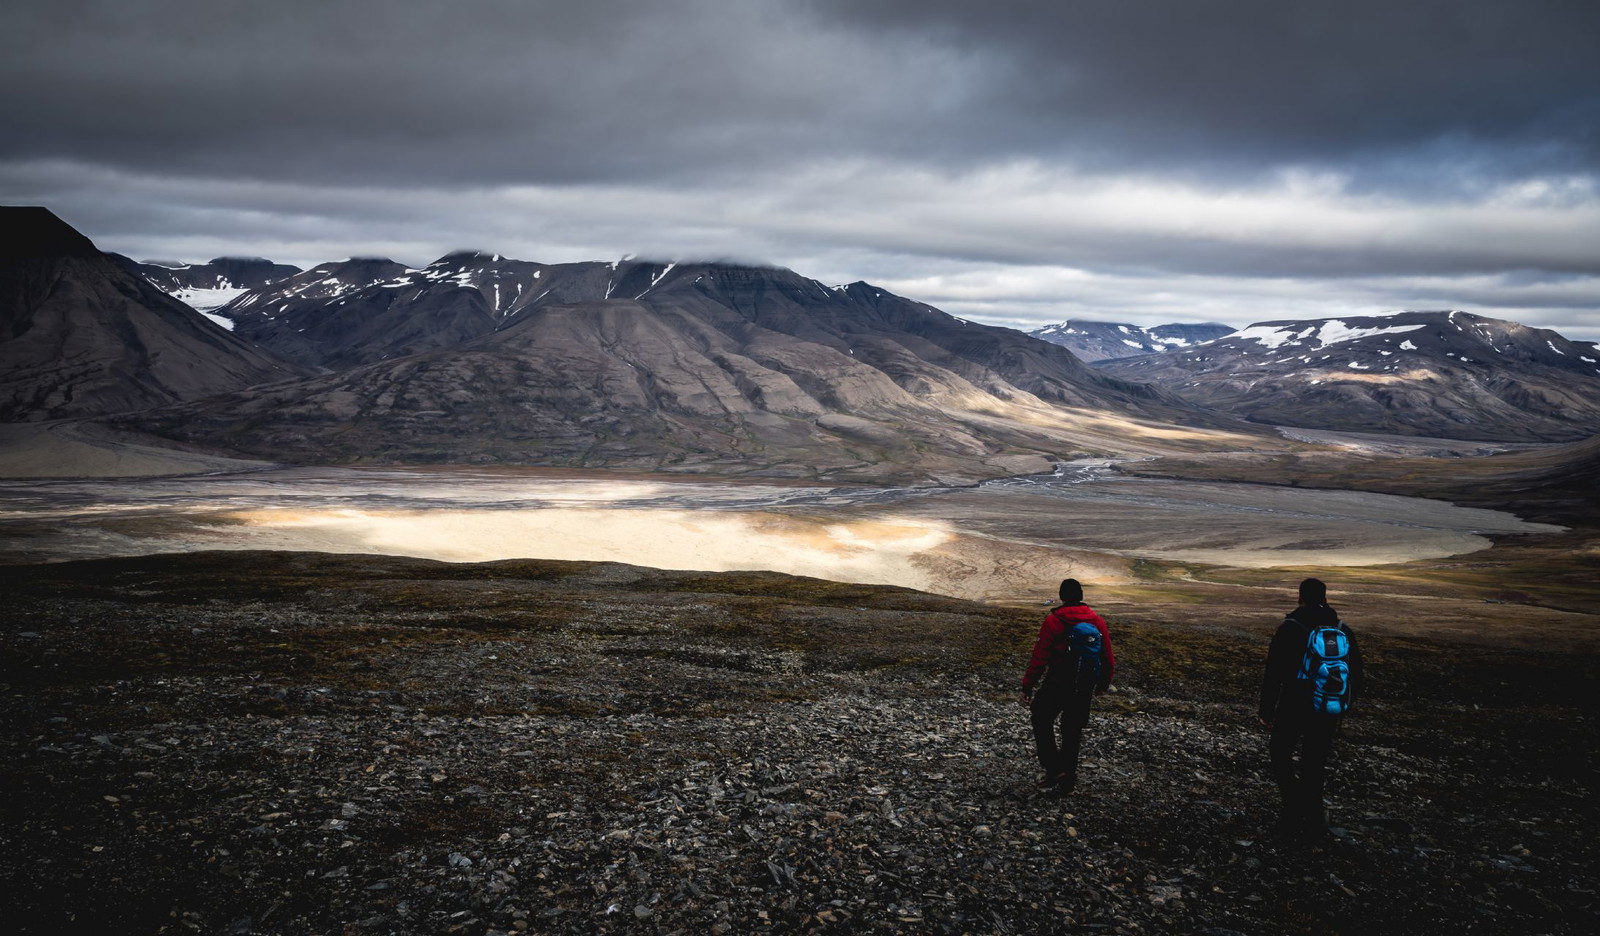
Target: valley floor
point(78, 449)
point(1008, 539)
point(303, 743)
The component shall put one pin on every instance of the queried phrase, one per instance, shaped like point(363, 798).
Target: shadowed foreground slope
point(303, 743)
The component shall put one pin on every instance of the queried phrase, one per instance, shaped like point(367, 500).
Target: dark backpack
point(1326, 666)
point(1086, 650)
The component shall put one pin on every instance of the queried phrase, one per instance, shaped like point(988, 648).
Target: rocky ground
point(303, 743)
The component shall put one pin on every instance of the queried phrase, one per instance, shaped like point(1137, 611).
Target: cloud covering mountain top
point(1143, 162)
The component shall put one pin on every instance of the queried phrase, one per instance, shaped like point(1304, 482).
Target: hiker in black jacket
point(1303, 698)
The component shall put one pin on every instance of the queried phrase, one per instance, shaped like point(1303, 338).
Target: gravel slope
point(304, 743)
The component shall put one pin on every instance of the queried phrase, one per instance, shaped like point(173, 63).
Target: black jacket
point(1281, 688)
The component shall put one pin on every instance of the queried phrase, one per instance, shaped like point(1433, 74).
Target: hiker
point(1073, 654)
point(1313, 672)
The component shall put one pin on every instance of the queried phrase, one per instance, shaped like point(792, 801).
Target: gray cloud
point(505, 91)
point(471, 92)
point(1490, 86)
point(1184, 160)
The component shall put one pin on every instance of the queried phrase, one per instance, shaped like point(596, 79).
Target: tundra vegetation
point(284, 742)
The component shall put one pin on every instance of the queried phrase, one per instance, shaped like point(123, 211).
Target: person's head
point(1071, 592)
point(1313, 592)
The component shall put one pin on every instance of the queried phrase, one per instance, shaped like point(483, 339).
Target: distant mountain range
point(81, 335)
point(1096, 341)
point(658, 365)
point(479, 358)
point(1444, 374)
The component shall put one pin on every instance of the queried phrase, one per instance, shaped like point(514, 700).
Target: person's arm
point(1272, 678)
point(1111, 655)
point(1049, 631)
point(1357, 668)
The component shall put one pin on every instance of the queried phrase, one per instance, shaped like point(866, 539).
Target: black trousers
point(1058, 701)
point(1302, 784)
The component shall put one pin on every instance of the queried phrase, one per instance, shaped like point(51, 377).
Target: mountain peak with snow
point(1445, 373)
point(1096, 341)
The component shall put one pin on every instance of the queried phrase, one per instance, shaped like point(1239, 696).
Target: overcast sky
point(1014, 161)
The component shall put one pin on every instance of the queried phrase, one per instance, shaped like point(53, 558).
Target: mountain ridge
point(1093, 340)
point(1448, 374)
point(207, 286)
point(689, 366)
point(82, 336)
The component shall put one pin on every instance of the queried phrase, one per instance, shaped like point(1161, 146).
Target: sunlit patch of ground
point(875, 551)
point(1111, 433)
point(1345, 376)
point(922, 553)
point(995, 542)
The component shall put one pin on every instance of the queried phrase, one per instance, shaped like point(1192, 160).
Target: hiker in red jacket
point(1076, 663)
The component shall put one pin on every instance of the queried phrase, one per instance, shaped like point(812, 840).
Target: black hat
point(1071, 592)
point(1313, 592)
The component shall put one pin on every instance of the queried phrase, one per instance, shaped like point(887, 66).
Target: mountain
point(1443, 374)
point(355, 312)
point(683, 366)
point(338, 316)
point(81, 335)
point(341, 315)
point(309, 318)
point(206, 286)
point(1096, 341)
point(1555, 484)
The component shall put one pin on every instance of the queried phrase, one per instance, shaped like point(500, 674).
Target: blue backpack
point(1327, 668)
point(1085, 647)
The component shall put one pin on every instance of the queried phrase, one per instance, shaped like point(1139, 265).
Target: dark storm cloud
point(1496, 87)
point(1017, 160)
point(479, 91)
point(498, 90)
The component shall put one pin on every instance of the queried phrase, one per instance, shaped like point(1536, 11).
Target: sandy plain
point(1003, 540)
point(1146, 544)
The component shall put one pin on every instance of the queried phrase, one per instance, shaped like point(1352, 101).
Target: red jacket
point(1053, 637)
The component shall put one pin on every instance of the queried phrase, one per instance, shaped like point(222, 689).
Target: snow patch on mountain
point(204, 300)
point(1272, 336)
point(1093, 341)
point(1333, 331)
